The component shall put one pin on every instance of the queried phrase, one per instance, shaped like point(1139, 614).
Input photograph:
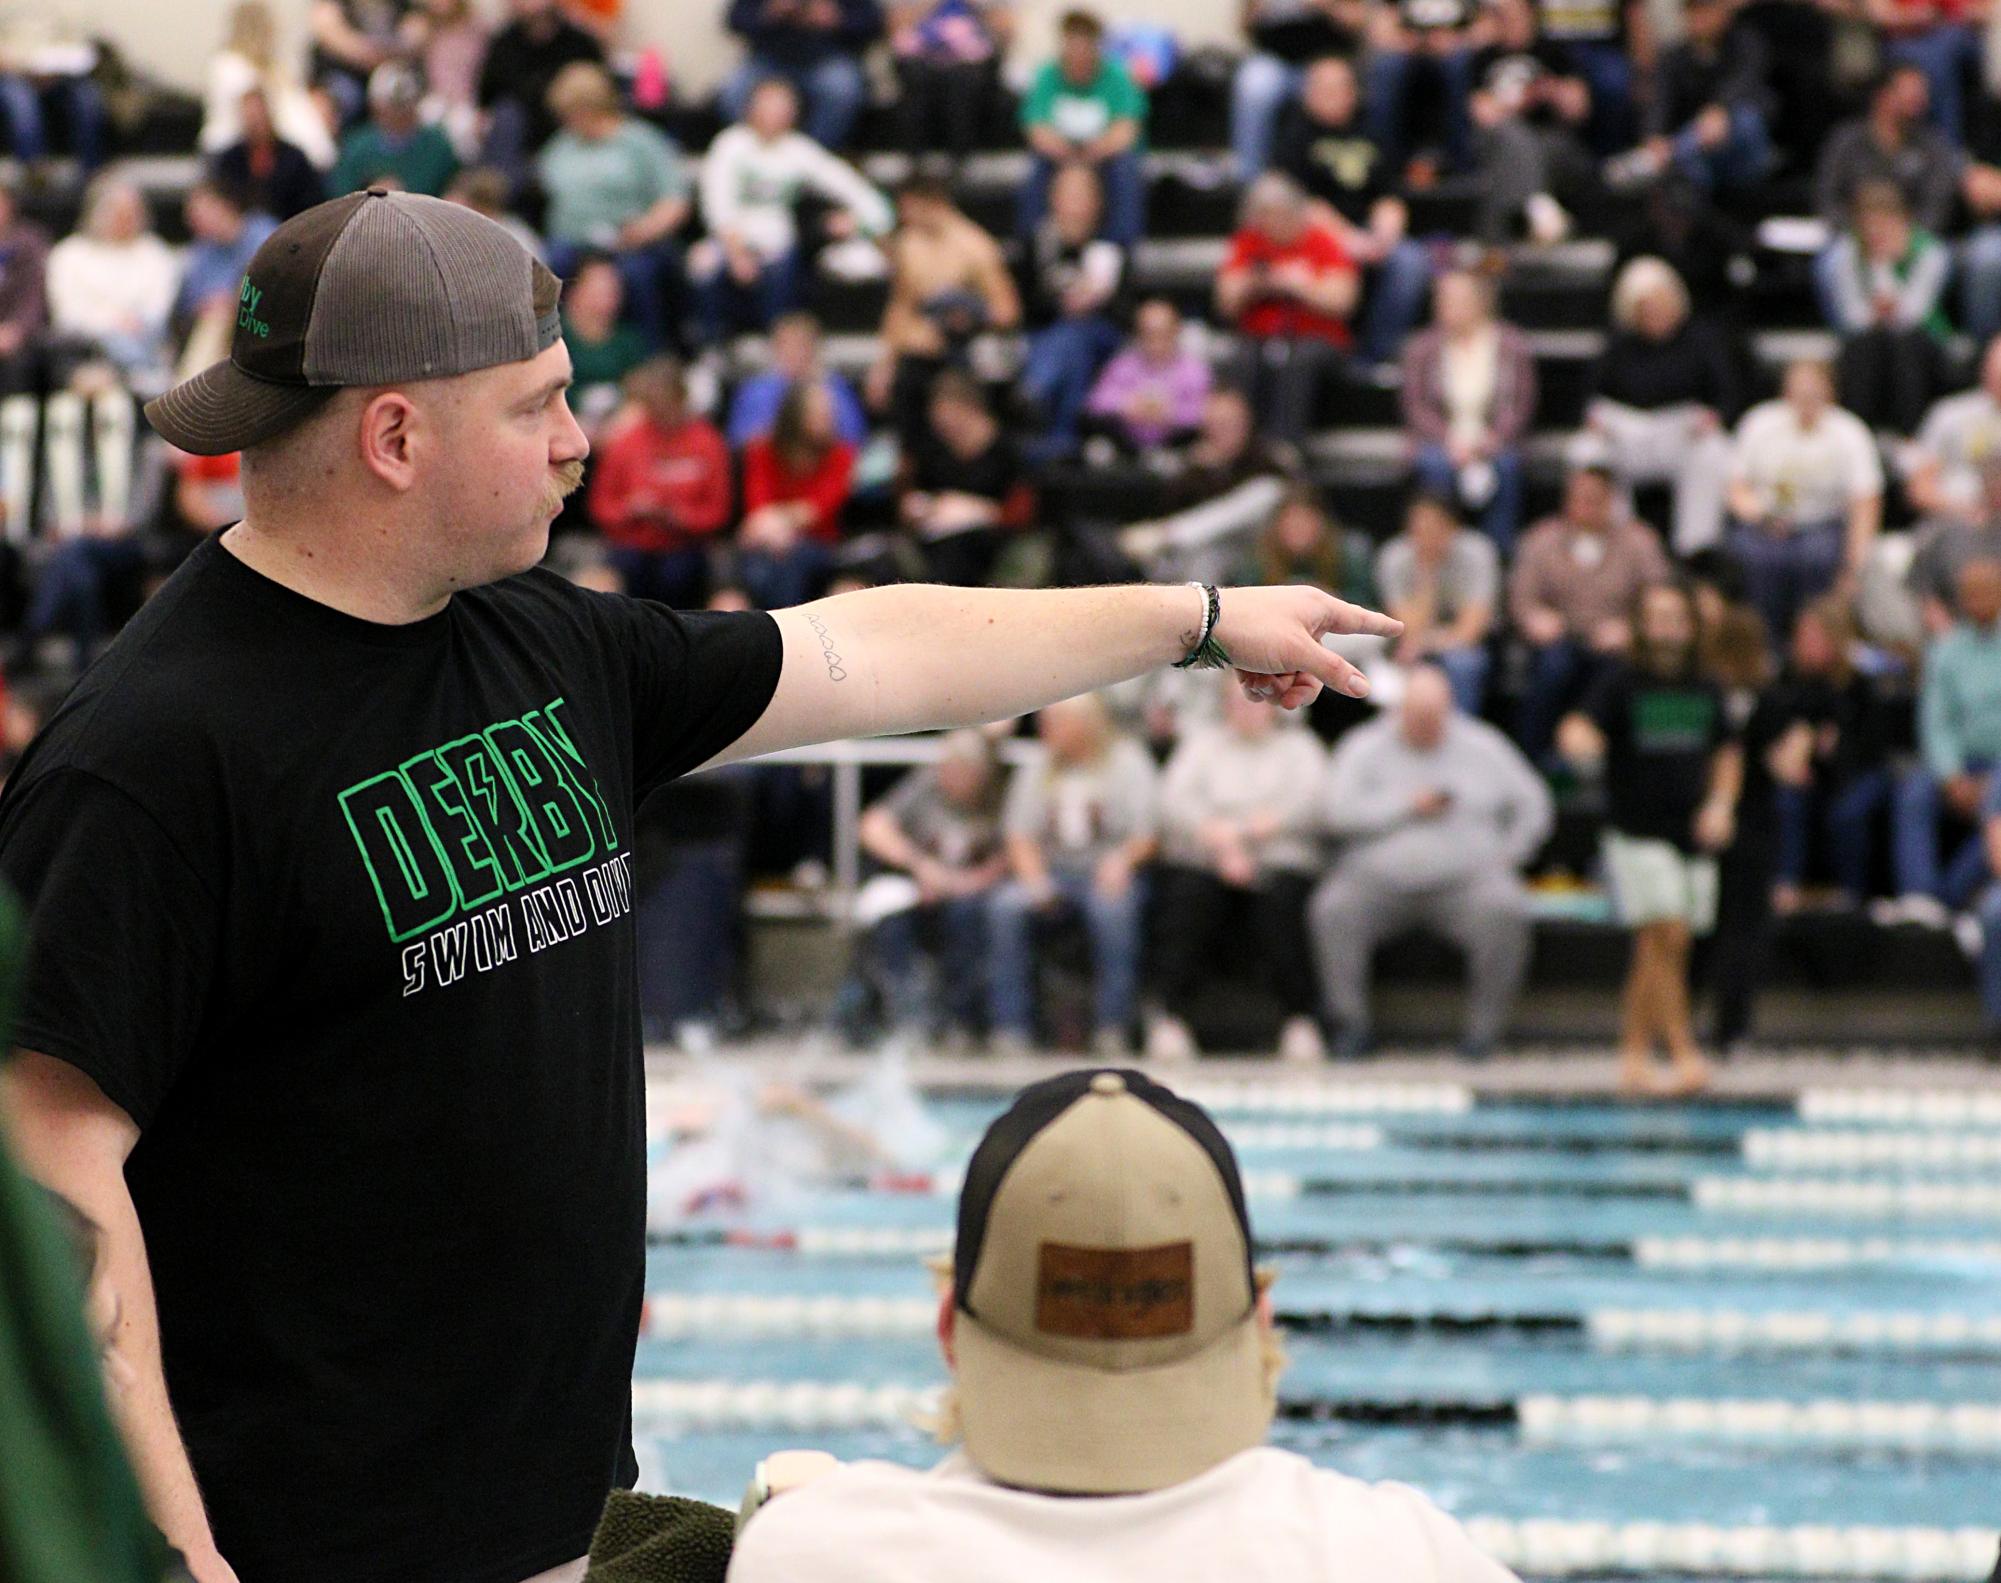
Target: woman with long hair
point(1657, 727)
point(796, 481)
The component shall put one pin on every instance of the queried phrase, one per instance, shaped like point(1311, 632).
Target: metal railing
point(848, 760)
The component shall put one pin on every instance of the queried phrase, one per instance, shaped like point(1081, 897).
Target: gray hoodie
point(1499, 816)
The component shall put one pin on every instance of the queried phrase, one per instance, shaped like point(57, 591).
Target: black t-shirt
point(1340, 165)
point(521, 68)
point(1053, 265)
point(993, 474)
point(1298, 32)
point(1660, 735)
point(1510, 75)
point(341, 915)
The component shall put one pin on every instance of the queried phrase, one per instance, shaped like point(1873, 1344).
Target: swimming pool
point(1730, 1339)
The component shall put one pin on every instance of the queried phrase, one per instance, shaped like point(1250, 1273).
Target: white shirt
point(1957, 435)
point(751, 187)
point(1808, 475)
point(100, 289)
point(1263, 1516)
point(294, 115)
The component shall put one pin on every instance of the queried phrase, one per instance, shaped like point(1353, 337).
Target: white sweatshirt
point(752, 187)
point(1264, 1516)
point(98, 289)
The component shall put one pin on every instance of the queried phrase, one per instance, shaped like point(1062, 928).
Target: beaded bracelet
point(1208, 654)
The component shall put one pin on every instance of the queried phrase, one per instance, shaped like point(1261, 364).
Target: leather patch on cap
point(1115, 1294)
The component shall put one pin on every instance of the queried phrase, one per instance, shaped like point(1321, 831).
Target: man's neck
point(330, 573)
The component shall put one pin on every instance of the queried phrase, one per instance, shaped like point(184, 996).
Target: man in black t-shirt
point(1325, 145)
point(331, 1017)
point(521, 61)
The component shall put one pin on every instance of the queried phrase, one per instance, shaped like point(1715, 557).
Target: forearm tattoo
point(836, 671)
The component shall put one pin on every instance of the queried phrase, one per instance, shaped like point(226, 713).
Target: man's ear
point(388, 428)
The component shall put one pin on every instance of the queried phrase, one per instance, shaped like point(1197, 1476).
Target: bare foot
point(1636, 1074)
point(1690, 1076)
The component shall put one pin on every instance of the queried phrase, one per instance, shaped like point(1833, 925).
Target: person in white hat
point(1108, 1338)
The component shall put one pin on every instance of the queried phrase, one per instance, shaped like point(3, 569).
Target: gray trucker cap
point(376, 288)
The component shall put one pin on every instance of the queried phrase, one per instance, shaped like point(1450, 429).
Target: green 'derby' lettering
point(484, 815)
point(248, 300)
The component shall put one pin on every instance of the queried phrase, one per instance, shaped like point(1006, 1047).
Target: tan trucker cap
point(372, 289)
point(1106, 1338)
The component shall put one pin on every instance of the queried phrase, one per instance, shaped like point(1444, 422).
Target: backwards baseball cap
point(372, 289)
point(1107, 1339)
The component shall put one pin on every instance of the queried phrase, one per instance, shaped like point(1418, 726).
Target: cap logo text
point(247, 302)
point(1115, 1294)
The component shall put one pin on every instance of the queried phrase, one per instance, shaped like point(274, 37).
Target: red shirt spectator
point(663, 478)
point(1286, 275)
point(803, 465)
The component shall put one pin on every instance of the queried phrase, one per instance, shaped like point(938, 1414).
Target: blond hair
point(253, 34)
point(582, 88)
point(1639, 280)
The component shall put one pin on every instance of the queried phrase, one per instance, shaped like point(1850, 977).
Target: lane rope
point(729, 1317)
point(1871, 1200)
point(1775, 1148)
point(1827, 1425)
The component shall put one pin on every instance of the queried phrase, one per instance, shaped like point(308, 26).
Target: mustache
point(568, 478)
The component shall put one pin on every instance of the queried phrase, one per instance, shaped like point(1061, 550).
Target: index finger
point(1342, 619)
point(1322, 663)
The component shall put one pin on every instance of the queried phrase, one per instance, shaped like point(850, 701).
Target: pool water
point(1453, 1264)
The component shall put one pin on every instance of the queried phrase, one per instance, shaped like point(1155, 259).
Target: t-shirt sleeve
point(124, 937)
point(1605, 704)
point(699, 680)
point(1040, 104)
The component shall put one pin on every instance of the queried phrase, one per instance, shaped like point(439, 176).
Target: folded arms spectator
point(661, 490)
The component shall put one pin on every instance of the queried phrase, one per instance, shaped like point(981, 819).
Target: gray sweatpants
point(1485, 915)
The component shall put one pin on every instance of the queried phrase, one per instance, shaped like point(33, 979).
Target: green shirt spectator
point(1081, 113)
point(421, 159)
point(605, 361)
point(597, 184)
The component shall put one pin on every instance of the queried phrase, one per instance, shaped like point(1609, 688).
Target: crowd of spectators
point(1831, 522)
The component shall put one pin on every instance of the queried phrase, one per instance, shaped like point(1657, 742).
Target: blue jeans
point(1466, 670)
point(1945, 53)
point(1123, 178)
point(1914, 827)
point(1785, 572)
point(1114, 928)
point(831, 94)
point(1063, 360)
point(1263, 86)
point(1989, 970)
point(1742, 160)
point(1608, 71)
point(27, 127)
point(1502, 514)
point(1398, 290)
point(959, 927)
point(650, 275)
point(724, 307)
point(70, 592)
point(778, 582)
point(1980, 283)
point(1387, 83)
point(1849, 816)
point(1559, 674)
point(679, 578)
